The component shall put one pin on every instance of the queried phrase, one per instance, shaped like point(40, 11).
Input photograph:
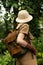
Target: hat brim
point(24, 20)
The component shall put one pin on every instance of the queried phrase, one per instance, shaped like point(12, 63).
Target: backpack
point(11, 45)
point(13, 48)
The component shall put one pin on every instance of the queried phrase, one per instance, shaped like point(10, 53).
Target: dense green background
point(7, 23)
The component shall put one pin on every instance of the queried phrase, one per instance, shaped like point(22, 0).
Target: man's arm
point(22, 42)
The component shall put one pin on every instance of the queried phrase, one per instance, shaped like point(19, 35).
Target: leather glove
point(31, 48)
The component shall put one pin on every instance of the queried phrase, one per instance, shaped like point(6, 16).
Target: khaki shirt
point(24, 28)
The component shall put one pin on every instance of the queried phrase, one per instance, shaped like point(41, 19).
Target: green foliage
point(2, 46)
point(38, 43)
point(34, 8)
point(40, 61)
point(5, 59)
point(34, 27)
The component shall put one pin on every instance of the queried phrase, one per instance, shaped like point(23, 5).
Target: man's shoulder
point(25, 25)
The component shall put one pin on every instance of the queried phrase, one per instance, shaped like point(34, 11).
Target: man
point(29, 58)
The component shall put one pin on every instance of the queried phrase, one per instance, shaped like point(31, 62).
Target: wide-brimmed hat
point(23, 16)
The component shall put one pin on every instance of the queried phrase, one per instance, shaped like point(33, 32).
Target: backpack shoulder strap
point(19, 27)
point(30, 35)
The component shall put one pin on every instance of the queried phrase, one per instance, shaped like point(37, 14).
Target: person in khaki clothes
point(29, 58)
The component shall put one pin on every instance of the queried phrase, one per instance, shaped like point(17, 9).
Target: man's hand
point(31, 48)
point(34, 51)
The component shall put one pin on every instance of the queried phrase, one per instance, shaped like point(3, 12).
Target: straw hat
point(23, 16)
